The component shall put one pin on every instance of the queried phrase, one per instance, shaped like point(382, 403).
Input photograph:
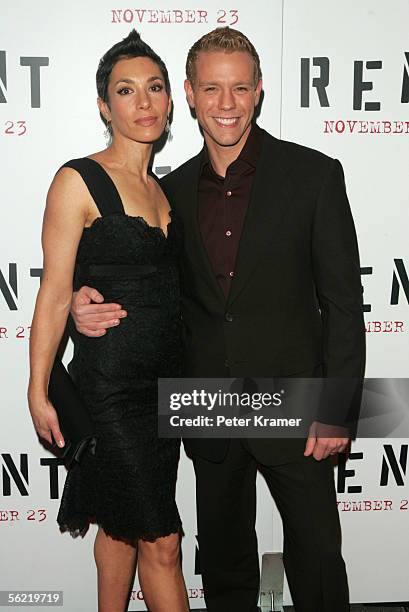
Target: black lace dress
point(128, 487)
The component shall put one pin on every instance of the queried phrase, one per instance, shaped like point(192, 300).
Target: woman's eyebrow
point(131, 81)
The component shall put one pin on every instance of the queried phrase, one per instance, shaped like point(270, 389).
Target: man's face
point(224, 96)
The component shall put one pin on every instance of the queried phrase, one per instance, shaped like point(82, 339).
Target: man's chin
point(227, 140)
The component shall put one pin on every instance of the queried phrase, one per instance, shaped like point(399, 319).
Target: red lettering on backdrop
point(352, 126)
point(140, 14)
point(159, 15)
point(365, 505)
point(165, 17)
point(340, 126)
point(116, 15)
point(128, 15)
point(384, 327)
point(153, 16)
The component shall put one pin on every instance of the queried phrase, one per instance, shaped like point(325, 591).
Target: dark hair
point(131, 46)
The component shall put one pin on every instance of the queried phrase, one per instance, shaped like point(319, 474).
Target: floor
point(357, 608)
point(370, 608)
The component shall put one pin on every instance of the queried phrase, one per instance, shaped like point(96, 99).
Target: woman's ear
point(104, 109)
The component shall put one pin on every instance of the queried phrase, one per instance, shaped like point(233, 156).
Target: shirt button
point(228, 193)
point(228, 317)
point(228, 233)
point(231, 274)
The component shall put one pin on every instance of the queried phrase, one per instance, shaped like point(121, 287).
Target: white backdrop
point(48, 115)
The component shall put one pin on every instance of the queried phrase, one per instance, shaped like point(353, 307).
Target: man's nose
point(226, 100)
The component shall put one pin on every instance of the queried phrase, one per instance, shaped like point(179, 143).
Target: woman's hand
point(45, 418)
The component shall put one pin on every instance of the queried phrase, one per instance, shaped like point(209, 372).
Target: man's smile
point(227, 121)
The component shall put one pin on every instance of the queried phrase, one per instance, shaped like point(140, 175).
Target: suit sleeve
point(338, 284)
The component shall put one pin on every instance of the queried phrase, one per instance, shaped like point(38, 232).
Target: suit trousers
point(304, 492)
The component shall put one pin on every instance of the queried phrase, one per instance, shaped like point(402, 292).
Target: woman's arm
point(65, 215)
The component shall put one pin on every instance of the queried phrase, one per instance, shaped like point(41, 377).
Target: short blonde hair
point(222, 39)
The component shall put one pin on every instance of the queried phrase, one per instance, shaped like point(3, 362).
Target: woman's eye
point(124, 90)
point(156, 88)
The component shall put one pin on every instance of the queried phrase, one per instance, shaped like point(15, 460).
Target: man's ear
point(104, 109)
point(257, 92)
point(190, 96)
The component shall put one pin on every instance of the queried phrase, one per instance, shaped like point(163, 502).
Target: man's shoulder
point(296, 154)
point(178, 176)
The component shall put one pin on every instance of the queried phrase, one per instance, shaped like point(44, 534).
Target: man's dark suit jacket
point(295, 304)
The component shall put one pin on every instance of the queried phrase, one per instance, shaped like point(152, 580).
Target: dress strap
point(100, 185)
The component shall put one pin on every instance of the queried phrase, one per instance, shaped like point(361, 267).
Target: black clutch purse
point(75, 422)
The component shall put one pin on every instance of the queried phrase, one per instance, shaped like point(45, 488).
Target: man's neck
point(221, 157)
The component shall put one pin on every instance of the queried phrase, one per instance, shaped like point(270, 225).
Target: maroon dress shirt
point(222, 206)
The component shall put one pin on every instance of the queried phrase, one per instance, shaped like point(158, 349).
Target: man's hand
point(325, 440)
point(91, 316)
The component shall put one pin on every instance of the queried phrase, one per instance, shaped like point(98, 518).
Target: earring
point(167, 129)
point(108, 133)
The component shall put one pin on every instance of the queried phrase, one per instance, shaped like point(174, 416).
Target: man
point(271, 287)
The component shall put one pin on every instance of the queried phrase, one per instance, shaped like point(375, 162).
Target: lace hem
point(78, 527)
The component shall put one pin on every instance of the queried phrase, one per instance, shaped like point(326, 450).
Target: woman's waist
point(133, 283)
point(116, 270)
point(125, 269)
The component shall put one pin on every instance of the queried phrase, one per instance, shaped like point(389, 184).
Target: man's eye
point(242, 88)
point(210, 88)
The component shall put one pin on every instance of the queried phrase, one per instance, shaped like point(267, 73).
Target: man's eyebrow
point(202, 83)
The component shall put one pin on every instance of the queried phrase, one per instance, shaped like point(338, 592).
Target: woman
point(108, 223)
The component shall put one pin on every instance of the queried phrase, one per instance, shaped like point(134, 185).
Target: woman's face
point(138, 102)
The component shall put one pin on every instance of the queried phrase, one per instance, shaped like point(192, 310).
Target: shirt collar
point(249, 154)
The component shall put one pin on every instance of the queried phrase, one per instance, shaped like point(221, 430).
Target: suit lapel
point(269, 196)
point(195, 251)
